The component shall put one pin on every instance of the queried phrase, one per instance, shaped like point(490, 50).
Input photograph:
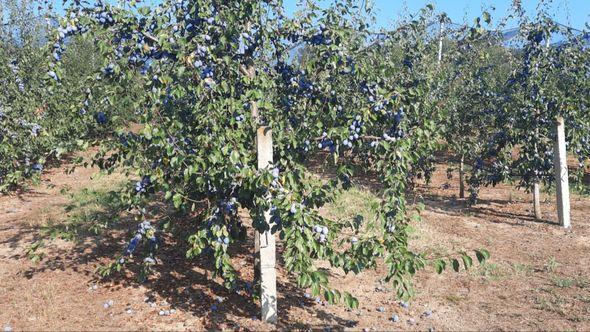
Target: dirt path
point(538, 278)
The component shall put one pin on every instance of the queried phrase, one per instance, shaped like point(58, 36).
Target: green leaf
point(486, 17)
point(315, 289)
point(482, 255)
point(329, 296)
point(467, 261)
point(440, 266)
point(350, 301)
point(177, 199)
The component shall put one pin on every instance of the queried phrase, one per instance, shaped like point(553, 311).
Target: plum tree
point(213, 72)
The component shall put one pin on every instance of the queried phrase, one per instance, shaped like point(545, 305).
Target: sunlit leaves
point(212, 72)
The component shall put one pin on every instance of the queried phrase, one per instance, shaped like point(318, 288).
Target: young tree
point(472, 84)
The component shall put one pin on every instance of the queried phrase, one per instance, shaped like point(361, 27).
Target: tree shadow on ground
point(511, 218)
point(485, 209)
point(184, 284)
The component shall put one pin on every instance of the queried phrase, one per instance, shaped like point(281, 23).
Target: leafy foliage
point(174, 95)
point(213, 72)
point(40, 123)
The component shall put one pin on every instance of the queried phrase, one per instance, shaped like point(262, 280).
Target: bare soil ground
point(538, 277)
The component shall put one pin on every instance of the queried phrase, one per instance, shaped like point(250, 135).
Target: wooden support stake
point(537, 200)
point(440, 41)
point(462, 178)
point(561, 176)
point(266, 240)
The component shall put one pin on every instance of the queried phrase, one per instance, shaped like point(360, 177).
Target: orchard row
point(196, 79)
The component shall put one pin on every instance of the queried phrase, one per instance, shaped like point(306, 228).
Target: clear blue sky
point(574, 13)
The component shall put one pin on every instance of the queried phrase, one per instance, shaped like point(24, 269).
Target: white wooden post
point(537, 200)
point(537, 184)
point(462, 178)
point(266, 240)
point(561, 176)
point(440, 41)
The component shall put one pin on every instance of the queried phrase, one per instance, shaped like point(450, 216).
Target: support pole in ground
point(440, 41)
point(561, 176)
point(537, 184)
point(266, 240)
point(462, 178)
point(537, 200)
